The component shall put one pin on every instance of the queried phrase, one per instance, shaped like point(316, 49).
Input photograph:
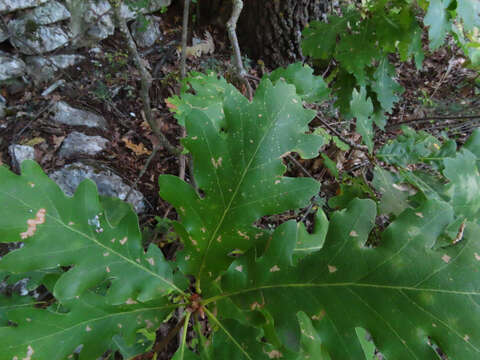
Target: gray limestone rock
point(48, 13)
point(101, 26)
point(19, 153)
point(10, 67)
point(146, 36)
point(32, 39)
point(90, 21)
point(155, 5)
point(3, 35)
point(43, 68)
point(13, 5)
point(65, 114)
point(77, 144)
point(108, 183)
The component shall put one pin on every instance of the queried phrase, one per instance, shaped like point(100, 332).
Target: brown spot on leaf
point(243, 235)
point(419, 214)
point(123, 241)
point(217, 163)
point(274, 268)
point(255, 306)
point(274, 354)
point(331, 269)
point(130, 301)
point(353, 233)
point(446, 258)
point(32, 224)
point(477, 257)
point(88, 328)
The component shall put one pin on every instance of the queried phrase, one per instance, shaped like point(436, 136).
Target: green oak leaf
point(413, 48)
point(236, 340)
point(356, 52)
point(413, 147)
point(404, 292)
point(310, 88)
point(8, 303)
point(385, 85)
point(473, 143)
point(464, 186)
point(362, 108)
point(239, 171)
point(47, 334)
point(320, 38)
point(469, 12)
point(437, 19)
point(394, 195)
point(208, 92)
point(343, 87)
point(74, 231)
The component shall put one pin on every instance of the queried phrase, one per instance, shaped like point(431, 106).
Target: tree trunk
point(270, 30)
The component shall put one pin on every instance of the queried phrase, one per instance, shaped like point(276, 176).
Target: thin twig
point(232, 35)
point(142, 172)
point(183, 59)
point(145, 79)
point(341, 137)
point(166, 340)
point(429, 118)
point(183, 73)
point(296, 162)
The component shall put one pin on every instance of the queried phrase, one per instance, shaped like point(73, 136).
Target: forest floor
point(439, 98)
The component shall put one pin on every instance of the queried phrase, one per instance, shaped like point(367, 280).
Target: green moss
point(31, 27)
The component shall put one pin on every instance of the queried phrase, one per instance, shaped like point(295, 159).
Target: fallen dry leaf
point(138, 149)
point(34, 141)
point(201, 47)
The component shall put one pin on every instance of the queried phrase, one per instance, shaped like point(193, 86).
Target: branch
point(145, 78)
point(341, 137)
point(183, 58)
point(428, 118)
point(232, 35)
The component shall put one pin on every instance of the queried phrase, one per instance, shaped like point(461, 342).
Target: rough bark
point(271, 30)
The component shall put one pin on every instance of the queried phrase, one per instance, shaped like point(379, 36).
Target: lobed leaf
point(88, 327)
point(309, 87)
point(239, 170)
point(385, 86)
point(438, 21)
point(404, 293)
point(362, 108)
point(75, 232)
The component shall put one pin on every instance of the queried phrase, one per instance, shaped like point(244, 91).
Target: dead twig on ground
point(430, 118)
point(341, 137)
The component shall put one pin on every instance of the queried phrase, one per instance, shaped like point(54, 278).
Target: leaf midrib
point(131, 262)
point(341, 284)
point(93, 320)
point(237, 188)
